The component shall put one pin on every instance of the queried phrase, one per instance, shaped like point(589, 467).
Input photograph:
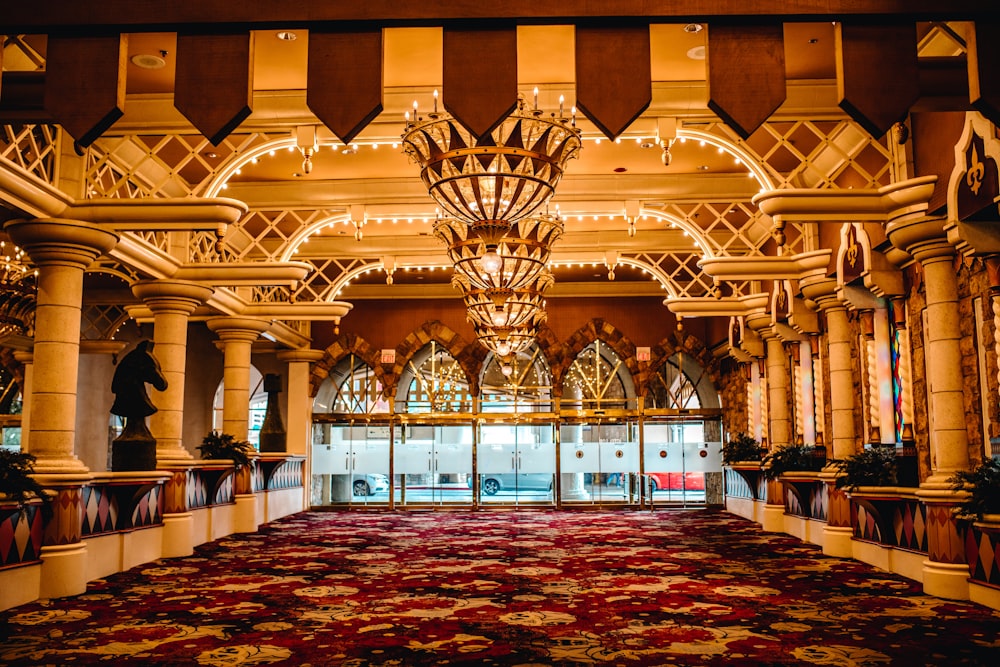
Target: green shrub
point(873, 466)
point(983, 485)
point(742, 447)
point(217, 445)
point(16, 482)
point(791, 458)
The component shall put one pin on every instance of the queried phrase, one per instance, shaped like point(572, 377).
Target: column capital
point(61, 241)
point(236, 328)
point(923, 237)
point(305, 354)
point(177, 296)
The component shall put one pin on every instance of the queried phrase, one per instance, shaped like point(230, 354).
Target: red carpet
point(503, 588)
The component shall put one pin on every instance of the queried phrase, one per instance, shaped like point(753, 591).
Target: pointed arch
point(596, 329)
point(680, 342)
point(469, 357)
point(344, 345)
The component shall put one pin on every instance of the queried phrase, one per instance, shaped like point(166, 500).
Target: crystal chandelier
point(489, 183)
point(514, 261)
point(17, 291)
point(504, 307)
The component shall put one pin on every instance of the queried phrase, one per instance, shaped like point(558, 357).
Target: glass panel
point(675, 461)
point(433, 464)
point(599, 462)
point(351, 468)
point(516, 463)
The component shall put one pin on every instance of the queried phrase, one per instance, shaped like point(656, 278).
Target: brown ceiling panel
point(984, 75)
point(480, 76)
point(345, 80)
point(613, 75)
point(85, 84)
point(746, 74)
point(877, 77)
point(214, 78)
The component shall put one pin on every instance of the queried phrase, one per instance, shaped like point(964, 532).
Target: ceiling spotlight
point(693, 27)
point(286, 35)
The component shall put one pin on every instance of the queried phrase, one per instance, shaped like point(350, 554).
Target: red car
point(676, 481)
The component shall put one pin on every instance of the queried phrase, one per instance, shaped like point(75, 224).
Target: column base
point(246, 519)
point(837, 541)
point(178, 534)
point(64, 570)
point(773, 518)
point(946, 580)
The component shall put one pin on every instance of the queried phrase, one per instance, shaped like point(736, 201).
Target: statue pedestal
point(133, 454)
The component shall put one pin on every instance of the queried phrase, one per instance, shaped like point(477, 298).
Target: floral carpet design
point(524, 588)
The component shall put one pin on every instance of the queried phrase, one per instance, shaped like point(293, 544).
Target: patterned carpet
point(503, 588)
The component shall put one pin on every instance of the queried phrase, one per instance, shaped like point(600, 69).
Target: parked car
point(491, 483)
point(370, 484)
point(676, 481)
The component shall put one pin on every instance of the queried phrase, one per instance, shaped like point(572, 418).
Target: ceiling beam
point(47, 16)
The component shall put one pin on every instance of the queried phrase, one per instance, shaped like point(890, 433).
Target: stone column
point(237, 335)
point(171, 301)
point(837, 532)
point(298, 430)
point(62, 250)
point(780, 423)
point(299, 413)
point(945, 572)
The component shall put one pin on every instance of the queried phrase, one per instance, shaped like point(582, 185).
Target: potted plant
point(17, 486)
point(873, 466)
point(742, 447)
point(217, 445)
point(790, 458)
point(983, 485)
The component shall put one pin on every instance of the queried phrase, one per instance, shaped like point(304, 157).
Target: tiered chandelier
point(18, 291)
point(494, 191)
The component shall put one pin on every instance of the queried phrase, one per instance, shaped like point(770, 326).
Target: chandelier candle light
point(18, 291)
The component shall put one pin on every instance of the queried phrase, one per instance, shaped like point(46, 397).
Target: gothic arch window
point(523, 385)
point(598, 380)
point(681, 383)
point(351, 388)
point(433, 381)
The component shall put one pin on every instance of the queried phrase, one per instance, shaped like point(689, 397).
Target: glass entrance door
point(516, 463)
point(351, 461)
point(676, 458)
point(432, 464)
point(599, 461)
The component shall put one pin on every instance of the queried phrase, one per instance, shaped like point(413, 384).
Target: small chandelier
point(514, 261)
point(503, 306)
point(492, 182)
point(507, 341)
point(18, 291)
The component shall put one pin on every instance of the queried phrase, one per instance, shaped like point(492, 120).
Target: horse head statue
point(134, 371)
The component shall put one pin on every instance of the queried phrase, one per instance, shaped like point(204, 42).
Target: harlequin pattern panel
point(736, 486)
point(286, 475)
point(100, 510)
point(175, 493)
point(67, 511)
point(257, 477)
point(909, 525)
point(982, 551)
point(197, 489)
point(225, 489)
point(792, 504)
point(864, 521)
point(819, 502)
point(840, 512)
point(21, 532)
point(148, 506)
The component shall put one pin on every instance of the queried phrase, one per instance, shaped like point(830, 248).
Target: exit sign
point(642, 353)
point(388, 356)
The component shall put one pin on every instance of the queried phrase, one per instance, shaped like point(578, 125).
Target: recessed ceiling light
point(286, 35)
point(211, 155)
point(621, 170)
point(693, 27)
point(703, 167)
point(148, 61)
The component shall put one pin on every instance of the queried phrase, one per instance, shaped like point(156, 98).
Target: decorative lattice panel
point(33, 148)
